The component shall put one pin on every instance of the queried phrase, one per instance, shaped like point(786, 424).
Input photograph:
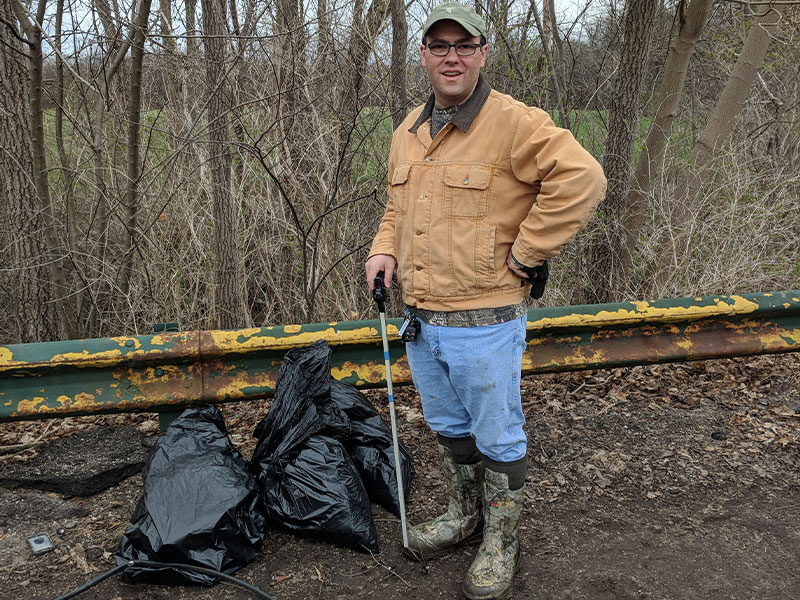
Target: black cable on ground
point(153, 564)
point(93, 582)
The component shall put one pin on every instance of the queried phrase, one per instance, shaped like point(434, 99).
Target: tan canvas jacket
point(500, 177)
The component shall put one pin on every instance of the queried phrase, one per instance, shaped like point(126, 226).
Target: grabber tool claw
point(379, 294)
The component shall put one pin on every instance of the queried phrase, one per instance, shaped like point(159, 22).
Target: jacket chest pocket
point(466, 191)
point(400, 188)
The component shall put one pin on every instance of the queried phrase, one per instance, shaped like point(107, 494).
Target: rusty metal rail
point(168, 371)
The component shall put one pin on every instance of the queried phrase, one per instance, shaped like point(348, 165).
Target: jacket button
point(419, 267)
point(422, 196)
point(428, 159)
point(466, 180)
point(418, 231)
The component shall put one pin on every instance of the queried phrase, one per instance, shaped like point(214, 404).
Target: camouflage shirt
point(441, 117)
point(471, 318)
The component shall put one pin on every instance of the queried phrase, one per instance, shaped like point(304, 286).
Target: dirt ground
point(660, 482)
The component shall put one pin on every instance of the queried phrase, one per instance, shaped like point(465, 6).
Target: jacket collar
point(466, 112)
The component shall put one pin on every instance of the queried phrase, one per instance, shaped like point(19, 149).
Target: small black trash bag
point(308, 481)
point(200, 505)
point(369, 443)
point(319, 492)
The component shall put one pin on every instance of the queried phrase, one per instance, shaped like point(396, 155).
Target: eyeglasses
point(442, 49)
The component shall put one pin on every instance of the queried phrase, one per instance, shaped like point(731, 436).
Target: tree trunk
point(667, 102)
point(363, 32)
point(191, 27)
point(605, 279)
point(398, 68)
point(230, 300)
point(553, 65)
point(112, 33)
point(165, 18)
point(134, 125)
point(115, 55)
point(291, 79)
point(734, 95)
point(18, 212)
point(325, 38)
point(557, 65)
point(71, 223)
point(55, 251)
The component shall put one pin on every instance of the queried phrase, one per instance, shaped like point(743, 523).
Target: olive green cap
point(461, 14)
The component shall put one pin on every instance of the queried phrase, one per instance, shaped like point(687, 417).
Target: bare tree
point(165, 21)
point(364, 30)
point(231, 303)
point(733, 97)
point(398, 66)
point(667, 103)
point(21, 291)
point(605, 274)
point(191, 27)
point(548, 31)
point(32, 30)
point(141, 17)
point(115, 52)
point(68, 173)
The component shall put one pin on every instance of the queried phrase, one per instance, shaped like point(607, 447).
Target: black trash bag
point(200, 506)
point(369, 443)
point(304, 375)
point(319, 492)
point(308, 481)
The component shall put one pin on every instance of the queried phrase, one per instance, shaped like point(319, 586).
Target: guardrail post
point(165, 418)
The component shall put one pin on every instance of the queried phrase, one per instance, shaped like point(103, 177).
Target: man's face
point(452, 77)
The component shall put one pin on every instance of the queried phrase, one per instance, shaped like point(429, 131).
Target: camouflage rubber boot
point(492, 572)
point(458, 523)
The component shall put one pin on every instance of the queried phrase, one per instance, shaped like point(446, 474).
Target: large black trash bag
point(308, 481)
point(200, 505)
point(369, 443)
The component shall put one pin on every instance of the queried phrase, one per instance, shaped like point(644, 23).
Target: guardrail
point(166, 372)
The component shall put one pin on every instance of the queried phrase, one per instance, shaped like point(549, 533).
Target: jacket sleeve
point(384, 240)
point(570, 184)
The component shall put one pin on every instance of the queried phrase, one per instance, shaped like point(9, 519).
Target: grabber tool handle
point(379, 294)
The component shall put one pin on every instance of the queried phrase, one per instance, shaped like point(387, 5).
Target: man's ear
point(422, 54)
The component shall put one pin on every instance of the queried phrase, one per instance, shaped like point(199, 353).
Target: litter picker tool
point(379, 294)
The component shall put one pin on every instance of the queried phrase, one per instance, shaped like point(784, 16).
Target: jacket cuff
point(378, 248)
point(528, 264)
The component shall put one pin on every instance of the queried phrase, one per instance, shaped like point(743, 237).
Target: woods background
point(222, 163)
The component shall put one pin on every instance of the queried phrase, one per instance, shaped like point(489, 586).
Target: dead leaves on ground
point(660, 430)
point(648, 431)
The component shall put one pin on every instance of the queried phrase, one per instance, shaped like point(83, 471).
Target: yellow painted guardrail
point(168, 371)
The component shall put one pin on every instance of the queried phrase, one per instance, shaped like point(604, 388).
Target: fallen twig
point(17, 448)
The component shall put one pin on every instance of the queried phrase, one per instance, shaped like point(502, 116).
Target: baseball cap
point(461, 14)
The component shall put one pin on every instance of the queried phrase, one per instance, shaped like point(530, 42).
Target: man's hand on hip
point(515, 268)
point(377, 263)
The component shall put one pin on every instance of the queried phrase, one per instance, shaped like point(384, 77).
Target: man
point(480, 187)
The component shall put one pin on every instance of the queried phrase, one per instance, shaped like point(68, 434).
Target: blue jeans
point(468, 379)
